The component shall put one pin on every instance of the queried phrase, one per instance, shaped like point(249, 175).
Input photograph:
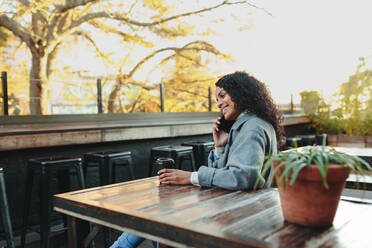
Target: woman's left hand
point(172, 176)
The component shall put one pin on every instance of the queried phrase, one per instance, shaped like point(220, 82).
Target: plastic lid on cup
point(164, 161)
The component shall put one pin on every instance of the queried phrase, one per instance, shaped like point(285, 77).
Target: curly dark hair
point(251, 95)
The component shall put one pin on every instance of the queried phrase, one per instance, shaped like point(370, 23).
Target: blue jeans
point(129, 240)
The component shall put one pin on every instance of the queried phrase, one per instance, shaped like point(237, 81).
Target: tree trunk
point(50, 61)
point(112, 97)
point(36, 85)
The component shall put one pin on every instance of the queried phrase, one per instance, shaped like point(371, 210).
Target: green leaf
point(291, 162)
point(295, 173)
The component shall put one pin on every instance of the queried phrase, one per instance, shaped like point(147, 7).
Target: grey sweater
point(250, 139)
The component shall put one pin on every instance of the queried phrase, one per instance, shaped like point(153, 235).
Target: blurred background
point(55, 52)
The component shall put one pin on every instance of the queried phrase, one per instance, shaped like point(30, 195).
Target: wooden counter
point(20, 132)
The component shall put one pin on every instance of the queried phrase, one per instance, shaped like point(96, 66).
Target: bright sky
point(305, 45)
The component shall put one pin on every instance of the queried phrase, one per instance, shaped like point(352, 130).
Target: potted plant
point(310, 181)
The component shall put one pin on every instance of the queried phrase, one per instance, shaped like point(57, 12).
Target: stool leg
point(150, 163)
point(45, 207)
point(102, 173)
point(92, 234)
point(27, 203)
point(178, 161)
point(108, 165)
point(106, 178)
point(192, 161)
point(5, 213)
point(64, 186)
point(113, 172)
point(107, 236)
point(130, 162)
point(80, 175)
point(85, 168)
point(82, 225)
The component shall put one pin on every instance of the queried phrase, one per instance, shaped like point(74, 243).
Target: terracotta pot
point(308, 202)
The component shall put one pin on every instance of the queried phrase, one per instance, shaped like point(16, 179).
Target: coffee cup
point(165, 163)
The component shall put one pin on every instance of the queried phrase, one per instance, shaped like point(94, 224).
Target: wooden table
point(354, 181)
point(190, 216)
point(358, 185)
point(364, 153)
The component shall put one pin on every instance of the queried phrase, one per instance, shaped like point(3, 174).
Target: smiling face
point(226, 105)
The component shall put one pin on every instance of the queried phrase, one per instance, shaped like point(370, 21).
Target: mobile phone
point(225, 125)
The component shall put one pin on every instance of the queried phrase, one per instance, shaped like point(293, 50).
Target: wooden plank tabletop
point(363, 182)
point(190, 216)
point(362, 152)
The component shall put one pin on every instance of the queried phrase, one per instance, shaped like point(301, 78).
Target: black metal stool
point(293, 142)
point(177, 153)
point(46, 167)
point(307, 140)
point(4, 208)
point(106, 162)
point(201, 151)
point(320, 138)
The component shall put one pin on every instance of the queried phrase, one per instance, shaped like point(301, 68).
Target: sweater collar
point(243, 117)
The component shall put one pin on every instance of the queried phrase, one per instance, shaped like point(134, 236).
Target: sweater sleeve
point(245, 159)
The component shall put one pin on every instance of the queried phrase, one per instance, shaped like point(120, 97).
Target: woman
point(238, 156)
point(236, 161)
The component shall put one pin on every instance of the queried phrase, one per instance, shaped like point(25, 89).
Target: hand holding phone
point(225, 125)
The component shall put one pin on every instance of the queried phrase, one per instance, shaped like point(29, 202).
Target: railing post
point(99, 96)
point(5, 91)
point(292, 108)
point(162, 97)
point(210, 99)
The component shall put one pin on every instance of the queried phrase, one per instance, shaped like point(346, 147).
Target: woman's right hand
point(219, 136)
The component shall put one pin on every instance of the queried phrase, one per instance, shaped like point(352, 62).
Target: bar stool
point(320, 138)
point(307, 140)
point(176, 152)
point(107, 161)
point(46, 167)
point(201, 151)
point(4, 208)
point(293, 142)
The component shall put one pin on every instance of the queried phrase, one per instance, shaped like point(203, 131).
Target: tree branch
point(121, 17)
point(208, 47)
point(146, 87)
point(17, 30)
point(126, 36)
point(187, 91)
point(71, 4)
point(50, 60)
point(88, 38)
point(38, 14)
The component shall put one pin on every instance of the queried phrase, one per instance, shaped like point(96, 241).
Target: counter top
point(18, 132)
